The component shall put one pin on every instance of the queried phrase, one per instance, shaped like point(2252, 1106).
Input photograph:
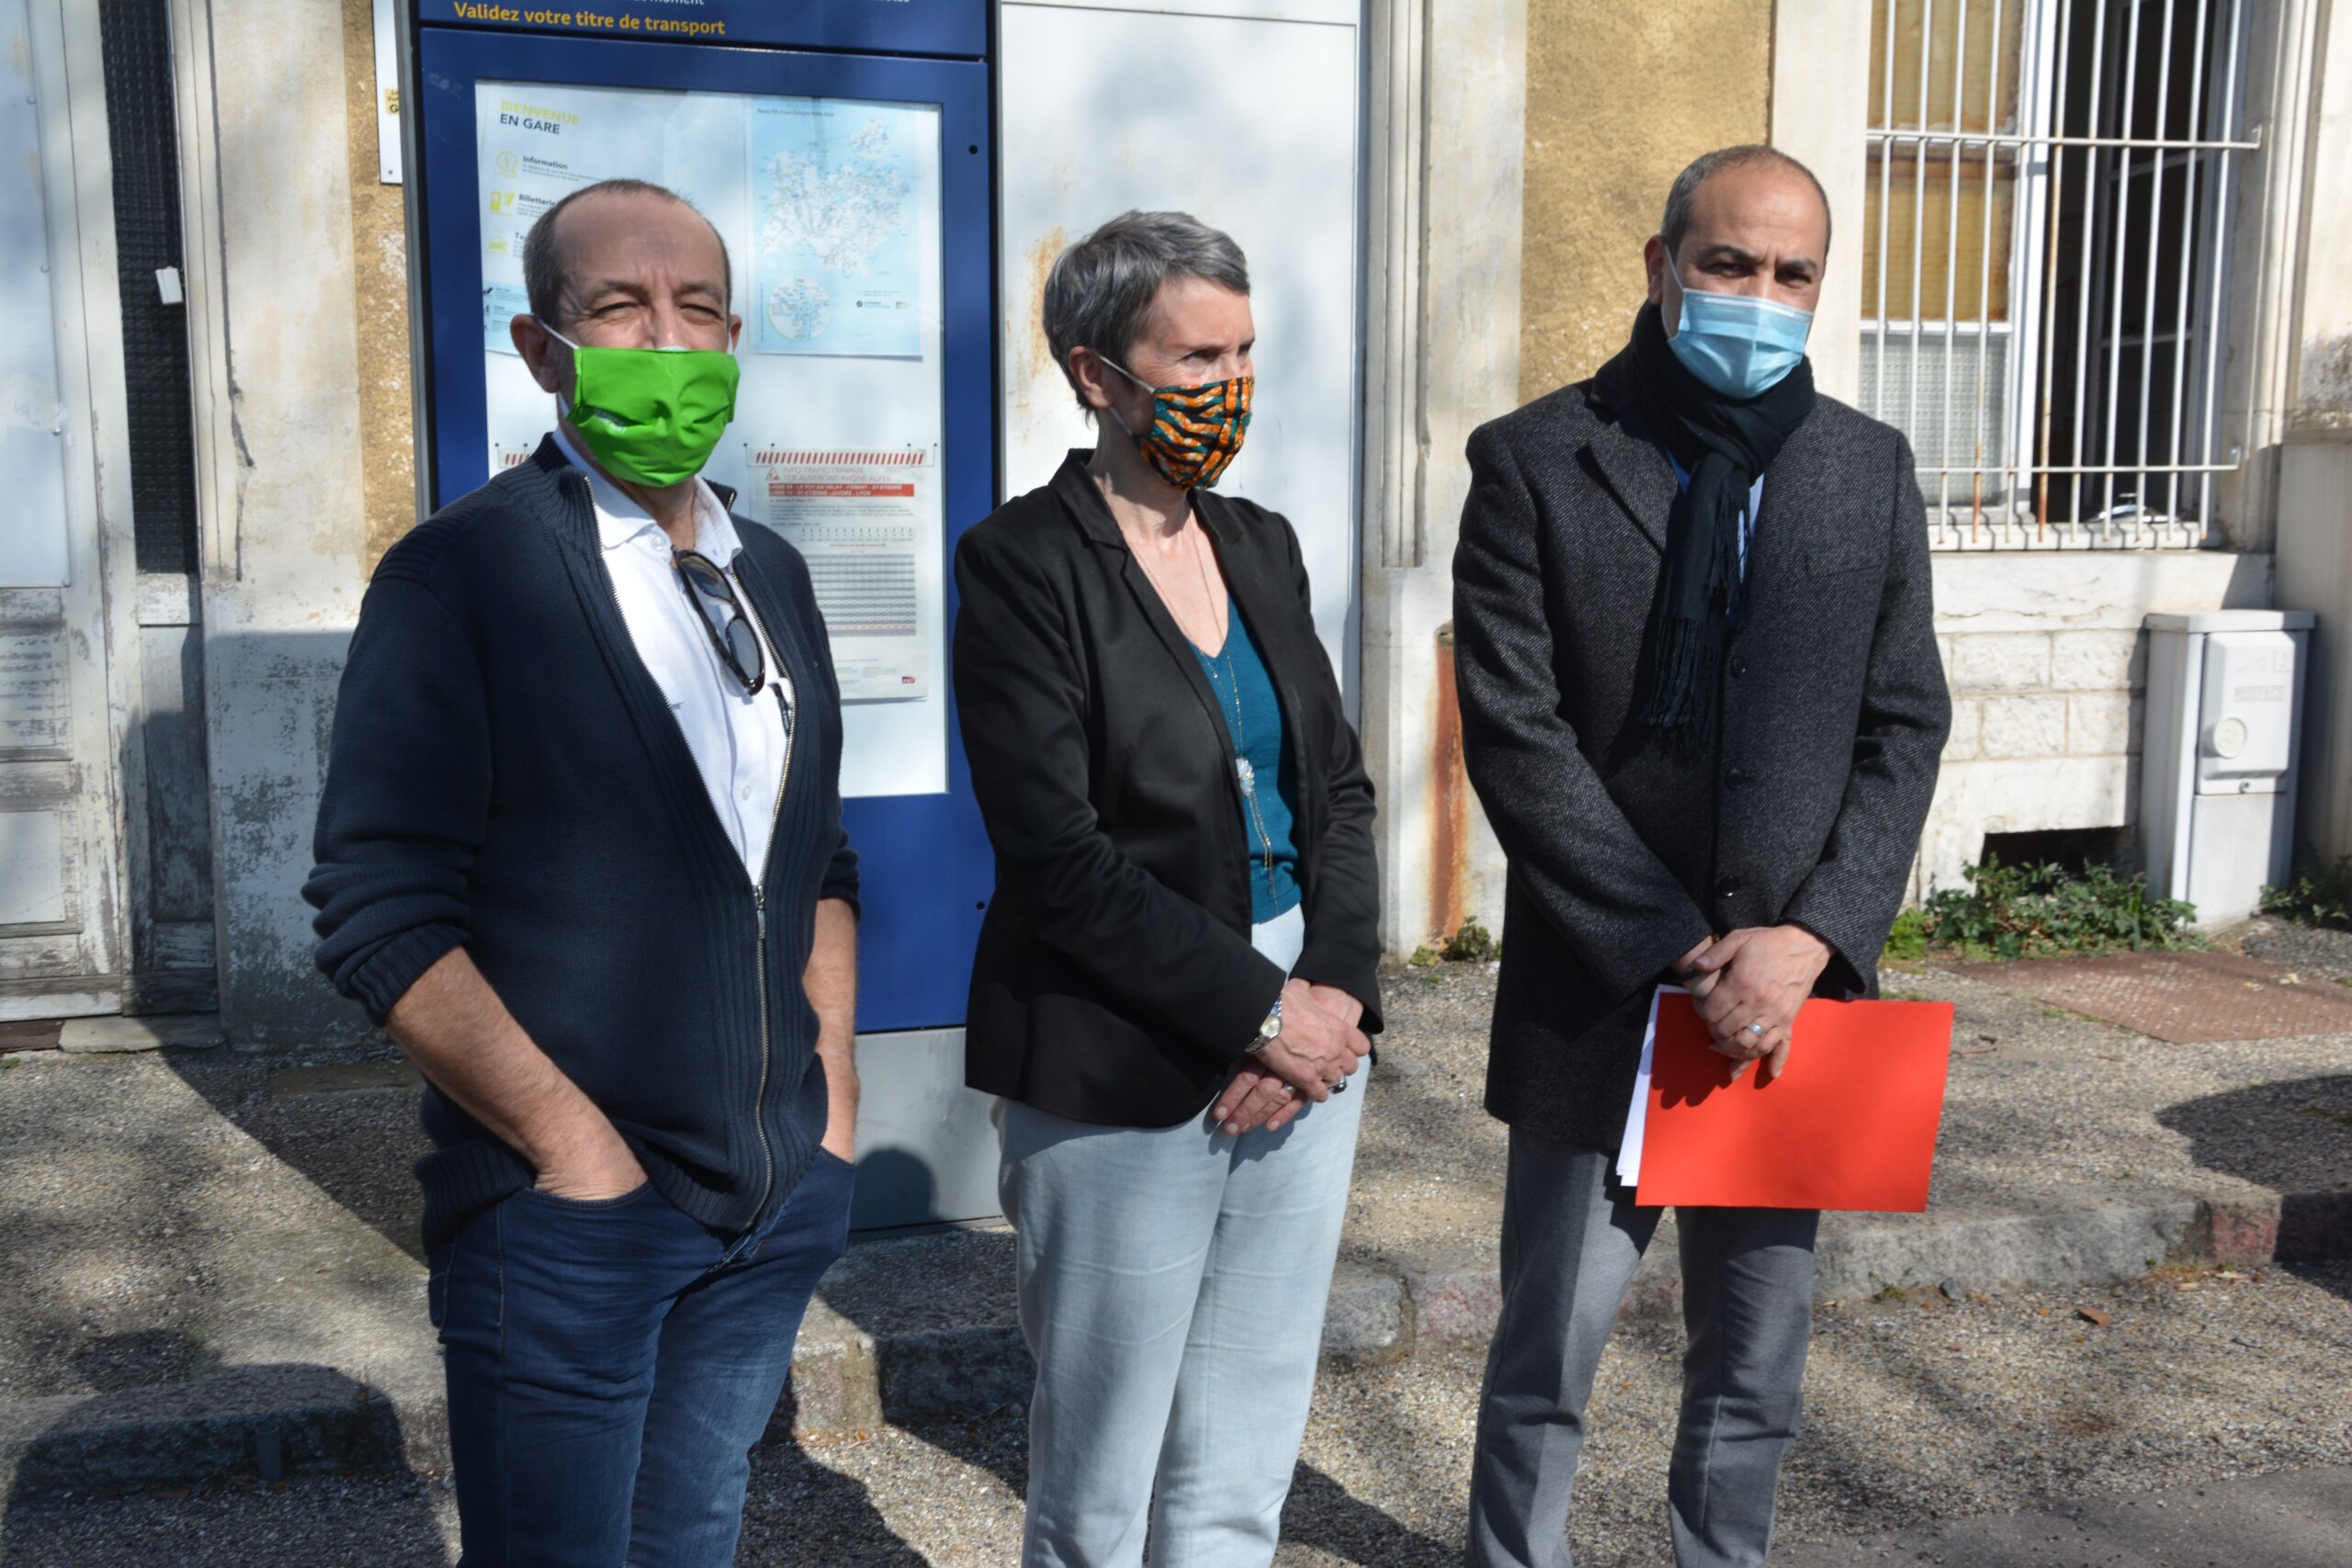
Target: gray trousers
point(1172, 1284)
point(1568, 1252)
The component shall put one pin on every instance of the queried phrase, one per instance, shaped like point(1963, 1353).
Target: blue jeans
point(611, 1364)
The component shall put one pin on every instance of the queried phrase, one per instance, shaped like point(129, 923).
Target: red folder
point(1851, 1123)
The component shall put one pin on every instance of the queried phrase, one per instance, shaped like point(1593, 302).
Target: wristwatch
point(1270, 1031)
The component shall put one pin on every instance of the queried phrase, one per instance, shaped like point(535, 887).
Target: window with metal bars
point(2045, 255)
point(136, 39)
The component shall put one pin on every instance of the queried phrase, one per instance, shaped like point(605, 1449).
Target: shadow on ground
point(356, 1144)
point(264, 1423)
point(930, 1293)
point(790, 1486)
point(2293, 1137)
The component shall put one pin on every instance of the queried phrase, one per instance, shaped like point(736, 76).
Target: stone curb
point(312, 1418)
point(112, 1035)
point(266, 1420)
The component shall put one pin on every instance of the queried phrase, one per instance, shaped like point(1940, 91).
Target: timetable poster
point(855, 518)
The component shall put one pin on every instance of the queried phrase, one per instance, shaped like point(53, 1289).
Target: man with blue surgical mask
point(1702, 707)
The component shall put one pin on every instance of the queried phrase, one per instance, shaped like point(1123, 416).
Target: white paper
point(1629, 1147)
point(388, 92)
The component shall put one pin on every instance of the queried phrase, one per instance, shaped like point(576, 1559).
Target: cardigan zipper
point(759, 883)
point(760, 924)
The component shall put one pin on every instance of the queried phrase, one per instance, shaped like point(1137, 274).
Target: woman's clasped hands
point(1319, 1048)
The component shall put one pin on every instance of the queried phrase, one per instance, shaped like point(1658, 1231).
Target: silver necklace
point(1244, 775)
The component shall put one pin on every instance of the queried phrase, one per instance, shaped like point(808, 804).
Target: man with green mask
point(580, 853)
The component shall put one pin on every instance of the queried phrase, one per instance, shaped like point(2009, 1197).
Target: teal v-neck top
point(1253, 718)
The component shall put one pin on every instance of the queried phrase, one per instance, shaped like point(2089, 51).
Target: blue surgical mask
point(1736, 343)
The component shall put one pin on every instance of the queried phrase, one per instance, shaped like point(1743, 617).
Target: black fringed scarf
point(1722, 444)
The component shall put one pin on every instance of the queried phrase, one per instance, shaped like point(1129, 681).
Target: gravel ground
point(134, 1260)
point(2046, 1109)
point(1920, 1408)
point(2310, 950)
point(133, 1189)
point(1430, 1161)
point(142, 1259)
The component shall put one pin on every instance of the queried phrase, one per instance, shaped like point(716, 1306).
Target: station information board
point(830, 212)
point(851, 186)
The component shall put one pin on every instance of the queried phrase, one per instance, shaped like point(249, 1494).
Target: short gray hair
point(1675, 224)
point(546, 262)
point(1100, 291)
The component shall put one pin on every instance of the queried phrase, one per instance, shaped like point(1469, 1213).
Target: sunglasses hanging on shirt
point(712, 593)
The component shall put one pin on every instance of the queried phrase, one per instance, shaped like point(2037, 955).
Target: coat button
point(1727, 887)
point(1734, 777)
point(1738, 666)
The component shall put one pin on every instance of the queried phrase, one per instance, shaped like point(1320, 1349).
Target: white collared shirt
point(739, 740)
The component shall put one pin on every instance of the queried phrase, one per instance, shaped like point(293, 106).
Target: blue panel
point(928, 870)
point(888, 27)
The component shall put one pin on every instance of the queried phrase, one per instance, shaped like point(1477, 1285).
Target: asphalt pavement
point(2205, 1422)
point(2086, 1351)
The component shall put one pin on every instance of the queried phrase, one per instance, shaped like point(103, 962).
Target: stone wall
point(2315, 464)
point(2315, 573)
point(2048, 665)
point(1619, 98)
point(379, 299)
point(267, 210)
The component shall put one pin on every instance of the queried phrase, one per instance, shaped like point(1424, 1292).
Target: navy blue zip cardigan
point(506, 775)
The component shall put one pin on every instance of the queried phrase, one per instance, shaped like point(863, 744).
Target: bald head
point(1764, 171)
point(621, 264)
point(1745, 220)
point(618, 231)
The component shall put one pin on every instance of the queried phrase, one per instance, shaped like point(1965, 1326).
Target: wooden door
point(62, 947)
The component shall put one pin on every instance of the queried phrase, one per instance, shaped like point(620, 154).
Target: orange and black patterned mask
point(1195, 432)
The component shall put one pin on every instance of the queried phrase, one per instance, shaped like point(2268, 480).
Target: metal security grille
point(136, 40)
point(2046, 254)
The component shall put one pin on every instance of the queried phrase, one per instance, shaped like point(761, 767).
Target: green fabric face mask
point(650, 416)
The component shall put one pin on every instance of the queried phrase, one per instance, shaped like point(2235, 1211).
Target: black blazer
point(1114, 982)
point(1804, 807)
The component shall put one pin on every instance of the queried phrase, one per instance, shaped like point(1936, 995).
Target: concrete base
point(97, 1036)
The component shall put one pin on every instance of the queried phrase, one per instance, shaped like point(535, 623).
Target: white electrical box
point(2217, 774)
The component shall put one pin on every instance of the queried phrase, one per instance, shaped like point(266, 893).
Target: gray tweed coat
point(1806, 807)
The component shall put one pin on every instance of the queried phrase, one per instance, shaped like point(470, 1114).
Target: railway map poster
point(833, 186)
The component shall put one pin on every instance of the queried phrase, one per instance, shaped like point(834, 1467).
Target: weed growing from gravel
point(1907, 942)
point(2315, 898)
point(1472, 945)
point(2036, 911)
